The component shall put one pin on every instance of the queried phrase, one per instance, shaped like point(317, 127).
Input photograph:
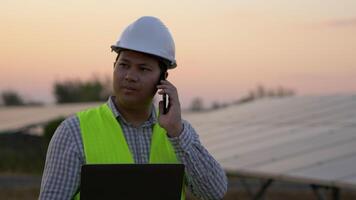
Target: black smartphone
point(164, 96)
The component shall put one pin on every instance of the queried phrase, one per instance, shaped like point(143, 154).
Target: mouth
point(129, 89)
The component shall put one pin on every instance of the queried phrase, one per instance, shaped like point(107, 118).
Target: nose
point(131, 76)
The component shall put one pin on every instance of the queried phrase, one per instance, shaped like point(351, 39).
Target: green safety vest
point(105, 143)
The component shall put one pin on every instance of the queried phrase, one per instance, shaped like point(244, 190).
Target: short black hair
point(162, 63)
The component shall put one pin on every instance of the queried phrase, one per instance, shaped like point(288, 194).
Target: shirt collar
point(151, 120)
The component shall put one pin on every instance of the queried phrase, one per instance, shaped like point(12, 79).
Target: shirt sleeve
point(206, 178)
point(61, 176)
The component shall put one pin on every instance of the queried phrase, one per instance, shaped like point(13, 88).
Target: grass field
point(21, 153)
point(19, 193)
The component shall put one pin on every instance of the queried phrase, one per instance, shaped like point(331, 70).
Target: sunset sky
point(224, 48)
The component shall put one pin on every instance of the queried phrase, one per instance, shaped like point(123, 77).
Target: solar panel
point(306, 138)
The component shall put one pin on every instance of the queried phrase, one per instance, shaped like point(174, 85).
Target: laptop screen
point(131, 181)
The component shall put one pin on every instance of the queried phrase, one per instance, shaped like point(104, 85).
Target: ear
point(166, 75)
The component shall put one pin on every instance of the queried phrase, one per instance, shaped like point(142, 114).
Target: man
point(145, 51)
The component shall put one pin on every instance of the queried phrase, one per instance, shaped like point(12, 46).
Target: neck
point(135, 115)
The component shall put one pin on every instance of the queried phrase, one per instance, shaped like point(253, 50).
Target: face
point(135, 78)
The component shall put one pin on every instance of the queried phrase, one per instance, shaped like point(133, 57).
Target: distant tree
point(260, 91)
point(271, 93)
point(81, 91)
point(282, 92)
point(215, 105)
point(197, 104)
point(11, 98)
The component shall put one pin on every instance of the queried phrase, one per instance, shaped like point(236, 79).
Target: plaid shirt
point(65, 156)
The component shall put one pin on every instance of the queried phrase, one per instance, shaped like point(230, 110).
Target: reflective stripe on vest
point(105, 143)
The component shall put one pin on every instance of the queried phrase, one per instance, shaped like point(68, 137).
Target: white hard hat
point(148, 35)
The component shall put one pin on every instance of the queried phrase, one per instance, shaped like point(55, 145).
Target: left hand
point(171, 121)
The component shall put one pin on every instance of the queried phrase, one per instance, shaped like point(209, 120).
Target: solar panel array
point(309, 139)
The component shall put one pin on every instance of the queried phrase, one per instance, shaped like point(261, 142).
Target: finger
point(170, 91)
point(167, 88)
point(167, 92)
point(166, 83)
point(164, 86)
point(160, 107)
point(162, 91)
point(172, 94)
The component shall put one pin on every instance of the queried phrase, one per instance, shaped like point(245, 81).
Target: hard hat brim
point(170, 65)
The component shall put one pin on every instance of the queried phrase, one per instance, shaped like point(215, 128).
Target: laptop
point(131, 181)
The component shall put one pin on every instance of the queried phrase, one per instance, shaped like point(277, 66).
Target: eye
point(123, 65)
point(145, 69)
